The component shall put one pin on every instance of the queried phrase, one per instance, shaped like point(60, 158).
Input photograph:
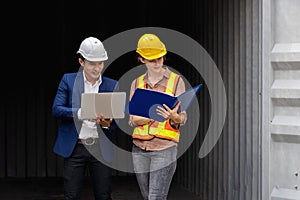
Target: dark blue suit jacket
point(65, 107)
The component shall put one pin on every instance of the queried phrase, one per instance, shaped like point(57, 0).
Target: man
point(84, 143)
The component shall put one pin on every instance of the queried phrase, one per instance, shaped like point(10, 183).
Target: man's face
point(92, 69)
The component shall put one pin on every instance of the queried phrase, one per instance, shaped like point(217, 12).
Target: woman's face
point(153, 65)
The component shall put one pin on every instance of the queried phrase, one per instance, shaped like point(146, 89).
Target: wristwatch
point(105, 127)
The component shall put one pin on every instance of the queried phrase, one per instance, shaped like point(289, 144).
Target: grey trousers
point(154, 171)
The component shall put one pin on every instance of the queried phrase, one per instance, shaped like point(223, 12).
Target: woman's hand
point(138, 120)
point(169, 113)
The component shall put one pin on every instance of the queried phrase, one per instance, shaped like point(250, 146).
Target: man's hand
point(105, 123)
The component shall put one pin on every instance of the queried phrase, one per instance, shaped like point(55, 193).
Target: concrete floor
point(124, 188)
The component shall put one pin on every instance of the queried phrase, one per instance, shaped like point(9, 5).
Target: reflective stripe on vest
point(158, 129)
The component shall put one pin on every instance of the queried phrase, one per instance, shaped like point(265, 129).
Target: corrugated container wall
point(232, 170)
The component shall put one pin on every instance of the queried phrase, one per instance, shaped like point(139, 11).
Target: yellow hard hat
point(150, 47)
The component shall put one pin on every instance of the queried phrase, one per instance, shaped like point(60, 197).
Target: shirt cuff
point(79, 113)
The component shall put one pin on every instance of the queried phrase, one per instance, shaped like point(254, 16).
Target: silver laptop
point(110, 104)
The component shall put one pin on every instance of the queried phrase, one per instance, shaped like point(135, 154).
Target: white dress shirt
point(89, 128)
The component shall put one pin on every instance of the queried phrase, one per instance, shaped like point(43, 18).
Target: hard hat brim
point(93, 59)
point(151, 57)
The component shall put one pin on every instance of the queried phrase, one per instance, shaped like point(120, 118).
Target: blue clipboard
point(144, 102)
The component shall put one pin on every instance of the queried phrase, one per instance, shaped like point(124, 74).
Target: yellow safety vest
point(158, 129)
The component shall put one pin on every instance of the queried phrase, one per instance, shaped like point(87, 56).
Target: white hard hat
point(92, 49)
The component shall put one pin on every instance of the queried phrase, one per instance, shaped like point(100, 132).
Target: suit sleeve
point(61, 108)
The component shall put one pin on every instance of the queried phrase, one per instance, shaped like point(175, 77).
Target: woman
point(155, 143)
